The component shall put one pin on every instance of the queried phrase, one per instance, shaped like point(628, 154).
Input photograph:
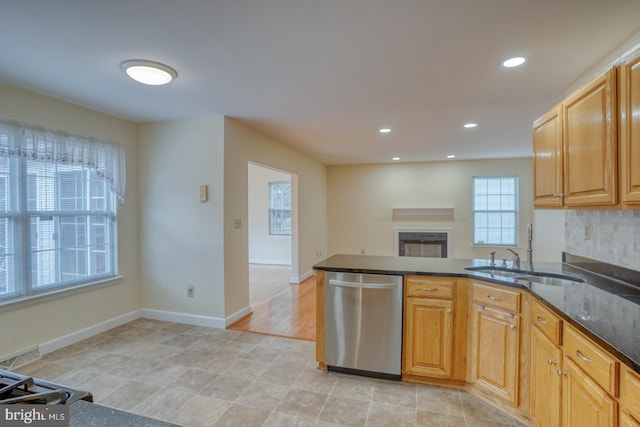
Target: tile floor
point(198, 376)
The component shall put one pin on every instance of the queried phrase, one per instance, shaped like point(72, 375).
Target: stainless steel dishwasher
point(363, 323)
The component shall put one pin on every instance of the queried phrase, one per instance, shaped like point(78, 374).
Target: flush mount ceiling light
point(451, 156)
point(395, 158)
point(384, 130)
point(470, 125)
point(148, 72)
point(514, 62)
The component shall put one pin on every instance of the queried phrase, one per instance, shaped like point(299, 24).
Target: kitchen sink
point(551, 280)
point(496, 271)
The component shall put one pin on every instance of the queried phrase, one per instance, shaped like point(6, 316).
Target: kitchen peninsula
point(533, 344)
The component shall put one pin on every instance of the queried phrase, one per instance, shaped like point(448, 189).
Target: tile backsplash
point(614, 236)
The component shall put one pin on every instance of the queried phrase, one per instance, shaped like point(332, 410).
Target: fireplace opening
point(423, 244)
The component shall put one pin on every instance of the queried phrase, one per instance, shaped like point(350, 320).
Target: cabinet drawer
point(593, 360)
point(421, 286)
point(495, 297)
point(545, 320)
point(630, 393)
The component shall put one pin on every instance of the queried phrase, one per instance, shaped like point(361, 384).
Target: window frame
point(515, 211)
point(279, 210)
point(22, 210)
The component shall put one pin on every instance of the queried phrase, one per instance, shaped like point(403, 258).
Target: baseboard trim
point(79, 335)
point(237, 315)
point(189, 319)
point(300, 279)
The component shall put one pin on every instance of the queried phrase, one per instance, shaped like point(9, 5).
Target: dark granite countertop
point(603, 307)
point(86, 414)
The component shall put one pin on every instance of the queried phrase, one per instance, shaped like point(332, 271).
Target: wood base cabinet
point(496, 351)
point(585, 403)
point(546, 381)
point(429, 337)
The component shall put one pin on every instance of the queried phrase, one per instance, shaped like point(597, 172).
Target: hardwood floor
point(290, 312)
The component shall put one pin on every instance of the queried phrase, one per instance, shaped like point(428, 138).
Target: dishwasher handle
point(344, 284)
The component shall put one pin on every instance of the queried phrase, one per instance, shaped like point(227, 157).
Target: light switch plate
point(204, 193)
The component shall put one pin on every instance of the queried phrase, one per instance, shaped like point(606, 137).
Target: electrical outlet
point(587, 231)
point(190, 291)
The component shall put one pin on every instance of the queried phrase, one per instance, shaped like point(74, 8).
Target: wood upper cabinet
point(495, 351)
point(585, 403)
point(575, 148)
point(630, 130)
point(547, 160)
point(590, 141)
point(429, 337)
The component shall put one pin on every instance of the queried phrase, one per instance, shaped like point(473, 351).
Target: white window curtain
point(33, 143)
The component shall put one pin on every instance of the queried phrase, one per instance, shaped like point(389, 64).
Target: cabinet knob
point(551, 362)
point(428, 289)
point(494, 298)
point(512, 326)
point(561, 373)
point(541, 320)
point(449, 311)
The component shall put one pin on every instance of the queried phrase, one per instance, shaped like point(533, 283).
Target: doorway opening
point(279, 302)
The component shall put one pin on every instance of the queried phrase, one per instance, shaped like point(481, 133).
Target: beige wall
point(45, 321)
point(181, 237)
point(361, 199)
point(244, 145)
point(263, 247)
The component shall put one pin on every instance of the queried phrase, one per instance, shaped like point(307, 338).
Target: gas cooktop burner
point(16, 388)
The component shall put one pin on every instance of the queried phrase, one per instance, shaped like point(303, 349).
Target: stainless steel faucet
point(515, 261)
point(529, 250)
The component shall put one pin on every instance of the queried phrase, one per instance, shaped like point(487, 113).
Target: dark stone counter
point(86, 414)
point(605, 308)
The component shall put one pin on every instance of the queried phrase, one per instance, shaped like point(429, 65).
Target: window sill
point(59, 293)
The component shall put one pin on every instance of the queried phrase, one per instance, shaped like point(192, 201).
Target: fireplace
point(422, 242)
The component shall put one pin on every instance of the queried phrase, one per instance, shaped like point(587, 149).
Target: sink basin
point(496, 271)
point(549, 280)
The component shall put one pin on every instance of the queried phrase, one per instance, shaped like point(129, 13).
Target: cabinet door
point(546, 384)
point(589, 136)
point(627, 420)
point(429, 337)
point(496, 349)
point(585, 403)
point(547, 160)
point(630, 130)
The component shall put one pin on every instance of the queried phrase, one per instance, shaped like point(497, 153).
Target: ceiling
point(323, 76)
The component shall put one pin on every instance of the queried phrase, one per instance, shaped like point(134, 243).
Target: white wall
point(244, 145)
point(27, 327)
point(361, 199)
point(265, 248)
point(181, 237)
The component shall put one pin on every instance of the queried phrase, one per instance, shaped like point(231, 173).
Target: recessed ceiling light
point(514, 62)
point(384, 130)
point(149, 72)
point(395, 158)
point(470, 125)
point(451, 156)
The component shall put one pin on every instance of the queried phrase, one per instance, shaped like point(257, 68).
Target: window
point(495, 210)
point(58, 222)
point(280, 208)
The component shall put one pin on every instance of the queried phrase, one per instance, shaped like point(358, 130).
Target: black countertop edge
point(87, 414)
point(584, 268)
